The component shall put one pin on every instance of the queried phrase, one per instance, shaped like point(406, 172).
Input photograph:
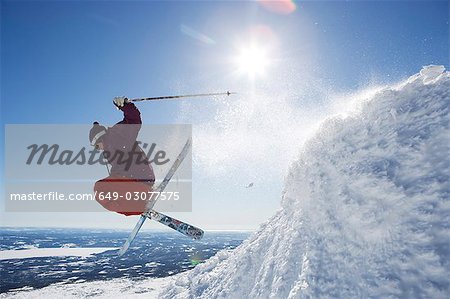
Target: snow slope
point(365, 211)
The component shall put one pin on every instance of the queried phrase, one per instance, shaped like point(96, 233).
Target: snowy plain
point(47, 252)
point(365, 213)
point(114, 288)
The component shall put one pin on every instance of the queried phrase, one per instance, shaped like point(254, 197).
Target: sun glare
point(252, 61)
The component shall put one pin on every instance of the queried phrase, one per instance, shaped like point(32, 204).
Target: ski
point(180, 226)
point(159, 189)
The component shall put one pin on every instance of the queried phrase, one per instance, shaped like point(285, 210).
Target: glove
point(120, 101)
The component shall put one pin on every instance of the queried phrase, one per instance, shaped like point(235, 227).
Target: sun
point(252, 61)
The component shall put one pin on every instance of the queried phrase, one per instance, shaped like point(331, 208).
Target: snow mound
point(365, 211)
point(431, 72)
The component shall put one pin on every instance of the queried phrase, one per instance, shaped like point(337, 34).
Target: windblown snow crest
point(365, 211)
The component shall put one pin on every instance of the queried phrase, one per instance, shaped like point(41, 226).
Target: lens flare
point(278, 6)
point(197, 258)
point(188, 31)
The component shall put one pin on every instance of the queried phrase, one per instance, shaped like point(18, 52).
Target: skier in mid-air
point(131, 172)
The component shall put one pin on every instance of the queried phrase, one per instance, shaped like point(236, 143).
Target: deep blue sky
point(63, 61)
point(77, 55)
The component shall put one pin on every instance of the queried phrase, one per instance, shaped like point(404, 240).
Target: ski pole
point(183, 96)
